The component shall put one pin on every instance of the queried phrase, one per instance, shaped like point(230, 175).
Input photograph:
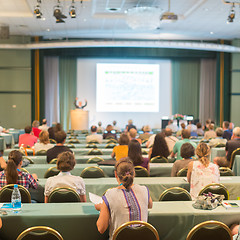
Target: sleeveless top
point(125, 206)
point(202, 176)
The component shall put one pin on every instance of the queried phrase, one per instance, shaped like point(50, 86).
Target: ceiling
point(197, 20)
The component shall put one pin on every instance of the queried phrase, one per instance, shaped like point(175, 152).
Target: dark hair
point(183, 126)
point(186, 133)
point(135, 152)
point(125, 171)
point(57, 127)
point(93, 128)
point(199, 125)
point(187, 150)
point(60, 136)
point(226, 124)
point(44, 121)
point(124, 139)
point(167, 132)
point(14, 158)
point(65, 161)
point(160, 147)
point(28, 129)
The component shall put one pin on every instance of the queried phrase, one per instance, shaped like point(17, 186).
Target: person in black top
point(227, 134)
point(52, 153)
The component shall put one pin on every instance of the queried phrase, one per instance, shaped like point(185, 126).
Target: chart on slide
point(127, 88)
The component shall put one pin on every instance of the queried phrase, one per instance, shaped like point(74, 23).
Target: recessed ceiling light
point(84, 19)
point(48, 30)
point(42, 19)
point(211, 32)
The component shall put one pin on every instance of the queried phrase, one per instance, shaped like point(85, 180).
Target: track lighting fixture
point(37, 10)
point(231, 15)
point(72, 10)
point(57, 13)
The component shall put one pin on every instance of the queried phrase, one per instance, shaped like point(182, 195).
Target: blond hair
point(203, 152)
point(44, 137)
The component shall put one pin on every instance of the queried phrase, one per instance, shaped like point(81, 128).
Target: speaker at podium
point(79, 119)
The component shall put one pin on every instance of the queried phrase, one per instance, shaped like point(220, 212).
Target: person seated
point(219, 139)
point(130, 126)
point(36, 131)
point(235, 231)
point(115, 127)
point(121, 202)
point(191, 127)
point(65, 163)
point(202, 172)
point(170, 139)
point(187, 153)
point(44, 143)
point(179, 132)
point(210, 133)
point(94, 136)
point(13, 175)
point(109, 132)
point(160, 147)
point(121, 150)
point(3, 164)
point(44, 126)
point(200, 131)
point(227, 134)
point(27, 139)
point(52, 153)
point(177, 147)
point(135, 154)
point(231, 145)
point(146, 133)
point(172, 126)
point(100, 129)
point(231, 127)
point(133, 134)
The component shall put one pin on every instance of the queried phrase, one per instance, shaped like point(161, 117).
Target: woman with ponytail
point(12, 174)
point(202, 172)
point(127, 202)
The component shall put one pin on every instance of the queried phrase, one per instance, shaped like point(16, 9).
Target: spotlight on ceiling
point(57, 13)
point(72, 10)
point(231, 15)
point(37, 10)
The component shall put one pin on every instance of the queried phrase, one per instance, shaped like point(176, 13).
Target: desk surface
point(173, 220)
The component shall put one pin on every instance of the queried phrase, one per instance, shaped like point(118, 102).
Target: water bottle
point(16, 198)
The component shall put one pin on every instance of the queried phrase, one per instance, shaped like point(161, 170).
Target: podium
point(79, 119)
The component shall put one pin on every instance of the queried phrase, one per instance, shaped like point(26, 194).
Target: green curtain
point(67, 88)
point(185, 87)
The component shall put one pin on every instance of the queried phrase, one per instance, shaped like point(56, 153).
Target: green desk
point(2, 144)
point(217, 152)
point(156, 169)
point(173, 220)
point(9, 140)
point(156, 185)
point(236, 165)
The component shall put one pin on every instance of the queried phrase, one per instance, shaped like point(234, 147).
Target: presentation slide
point(127, 87)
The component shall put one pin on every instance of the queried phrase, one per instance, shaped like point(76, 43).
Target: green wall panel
point(235, 113)
point(235, 86)
point(15, 58)
point(17, 116)
point(15, 80)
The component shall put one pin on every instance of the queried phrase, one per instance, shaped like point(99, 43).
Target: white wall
point(86, 89)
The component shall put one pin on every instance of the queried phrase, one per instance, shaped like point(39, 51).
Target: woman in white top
point(127, 202)
point(202, 172)
point(44, 143)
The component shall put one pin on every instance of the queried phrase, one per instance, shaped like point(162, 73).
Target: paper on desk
point(95, 198)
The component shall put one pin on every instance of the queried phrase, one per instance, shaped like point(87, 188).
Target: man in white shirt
point(94, 136)
point(172, 126)
point(44, 126)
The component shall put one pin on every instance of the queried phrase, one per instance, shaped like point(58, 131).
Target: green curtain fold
point(185, 87)
point(67, 88)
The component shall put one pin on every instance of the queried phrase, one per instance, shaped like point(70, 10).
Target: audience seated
point(3, 164)
point(52, 153)
point(44, 126)
point(159, 148)
point(132, 133)
point(231, 126)
point(27, 139)
point(227, 134)
point(36, 131)
point(206, 127)
point(127, 202)
point(130, 125)
point(115, 127)
point(170, 139)
point(146, 133)
point(109, 132)
point(235, 231)
point(121, 151)
point(219, 139)
point(202, 172)
point(177, 147)
point(135, 154)
point(94, 136)
point(179, 132)
point(100, 129)
point(65, 163)
point(44, 143)
point(210, 133)
point(187, 153)
point(191, 127)
point(172, 126)
point(13, 175)
point(51, 131)
point(231, 145)
point(200, 131)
